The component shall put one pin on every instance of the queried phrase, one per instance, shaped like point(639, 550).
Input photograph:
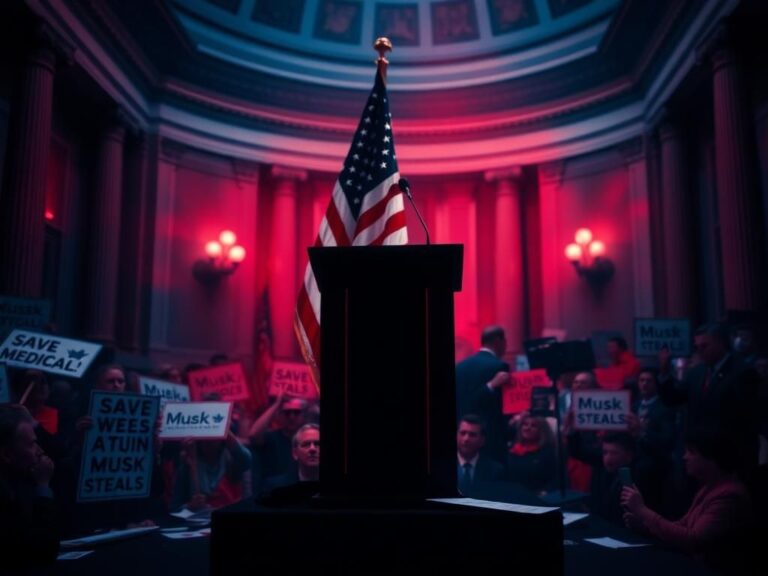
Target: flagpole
point(382, 46)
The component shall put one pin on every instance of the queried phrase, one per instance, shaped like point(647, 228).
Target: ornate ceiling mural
point(439, 44)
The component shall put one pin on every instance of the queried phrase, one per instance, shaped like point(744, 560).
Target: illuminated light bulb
point(213, 249)
point(227, 238)
point(49, 215)
point(583, 236)
point(597, 249)
point(237, 254)
point(573, 252)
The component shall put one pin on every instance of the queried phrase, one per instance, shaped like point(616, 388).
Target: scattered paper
point(188, 534)
point(571, 517)
point(521, 508)
point(73, 555)
point(110, 536)
point(184, 513)
point(609, 542)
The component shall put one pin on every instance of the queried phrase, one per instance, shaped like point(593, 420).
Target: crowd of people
point(688, 469)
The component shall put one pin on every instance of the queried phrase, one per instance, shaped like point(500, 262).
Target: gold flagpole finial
point(382, 46)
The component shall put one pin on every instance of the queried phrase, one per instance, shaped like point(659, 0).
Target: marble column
point(634, 154)
point(284, 275)
point(737, 206)
point(133, 227)
point(23, 224)
point(104, 235)
point(677, 226)
point(508, 258)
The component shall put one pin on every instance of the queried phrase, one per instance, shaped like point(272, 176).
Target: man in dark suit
point(720, 394)
point(479, 379)
point(473, 468)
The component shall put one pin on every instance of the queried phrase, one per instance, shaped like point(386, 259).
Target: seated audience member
point(718, 524)
point(616, 451)
point(652, 424)
point(306, 452)
point(169, 373)
point(474, 468)
point(29, 528)
point(532, 461)
point(579, 472)
point(211, 473)
point(272, 449)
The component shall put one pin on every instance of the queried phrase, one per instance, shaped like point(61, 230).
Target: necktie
point(465, 482)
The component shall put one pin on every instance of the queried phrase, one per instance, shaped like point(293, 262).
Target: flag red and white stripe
point(366, 209)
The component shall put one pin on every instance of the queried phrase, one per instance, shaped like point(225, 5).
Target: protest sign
point(543, 401)
point(23, 313)
point(166, 391)
point(227, 382)
point(600, 409)
point(5, 387)
point(295, 378)
point(118, 450)
point(199, 420)
point(652, 334)
point(49, 353)
point(516, 394)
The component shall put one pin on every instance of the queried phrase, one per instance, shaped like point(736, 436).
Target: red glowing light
point(583, 236)
point(573, 252)
point(237, 254)
point(227, 238)
point(597, 249)
point(213, 249)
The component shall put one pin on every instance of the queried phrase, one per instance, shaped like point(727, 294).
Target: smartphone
point(625, 476)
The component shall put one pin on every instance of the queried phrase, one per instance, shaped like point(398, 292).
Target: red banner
point(227, 382)
point(516, 395)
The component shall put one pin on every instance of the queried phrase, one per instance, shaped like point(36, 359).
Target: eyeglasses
point(292, 412)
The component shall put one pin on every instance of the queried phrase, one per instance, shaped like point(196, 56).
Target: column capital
point(717, 48)
point(48, 48)
point(245, 170)
point(633, 150)
point(552, 172)
point(511, 173)
point(172, 151)
point(285, 173)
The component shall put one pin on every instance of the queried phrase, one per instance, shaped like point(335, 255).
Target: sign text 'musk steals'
point(117, 455)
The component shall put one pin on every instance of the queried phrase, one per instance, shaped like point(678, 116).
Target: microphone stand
point(405, 188)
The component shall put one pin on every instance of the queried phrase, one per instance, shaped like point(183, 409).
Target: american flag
point(366, 209)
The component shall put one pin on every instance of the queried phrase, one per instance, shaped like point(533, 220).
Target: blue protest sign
point(652, 334)
point(118, 450)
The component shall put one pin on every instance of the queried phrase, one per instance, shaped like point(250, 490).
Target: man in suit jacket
point(479, 379)
point(473, 468)
point(720, 394)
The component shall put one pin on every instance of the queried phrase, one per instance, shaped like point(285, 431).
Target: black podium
point(388, 430)
point(388, 370)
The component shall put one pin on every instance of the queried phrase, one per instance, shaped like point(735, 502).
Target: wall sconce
point(588, 258)
point(223, 259)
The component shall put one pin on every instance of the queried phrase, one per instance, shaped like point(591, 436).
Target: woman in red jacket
point(717, 526)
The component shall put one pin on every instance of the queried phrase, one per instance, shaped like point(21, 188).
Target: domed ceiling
point(438, 43)
point(474, 84)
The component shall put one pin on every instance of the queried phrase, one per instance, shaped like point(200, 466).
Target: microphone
point(405, 188)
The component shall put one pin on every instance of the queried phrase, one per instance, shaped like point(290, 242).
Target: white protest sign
point(23, 313)
point(295, 378)
point(167, 391)
point(49, 353)
point(5, 387)
point(199, 420)
point(600, 409)
point(118, 449)
point(652, 334)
